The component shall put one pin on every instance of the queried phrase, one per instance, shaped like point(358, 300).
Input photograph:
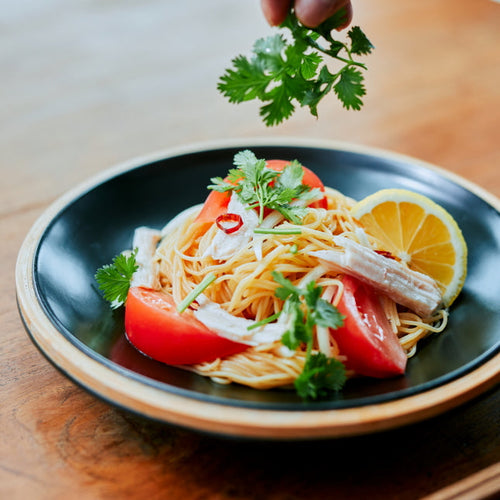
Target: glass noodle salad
point(277, 281)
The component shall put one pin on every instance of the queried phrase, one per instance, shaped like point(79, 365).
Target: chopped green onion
point(198, 290)
point(294, 248)
point(264, 321)
point(277, 230)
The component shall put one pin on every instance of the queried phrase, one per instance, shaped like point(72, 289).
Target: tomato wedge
point(216, 202)
point(214, 206)
point(366, 338)
point(154, 327)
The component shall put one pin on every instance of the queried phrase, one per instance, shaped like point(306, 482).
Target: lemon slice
point(420, 233)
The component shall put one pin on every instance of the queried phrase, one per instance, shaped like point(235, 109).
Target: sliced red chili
point(229, 223)
point(386, 254)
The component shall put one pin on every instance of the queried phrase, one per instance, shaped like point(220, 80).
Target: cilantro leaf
point(291, 178)
point(359, 42)
point(260, 187)
point(310, 63)
point(114, 279)
point(326, 315)
point(280, 106)
point(286, 289)
point(305, 309)
point(320, 377)
point(284, 73)
point(350, 89)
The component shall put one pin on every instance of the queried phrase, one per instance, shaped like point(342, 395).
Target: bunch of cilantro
point(305, 310)
point(114, 279)
point(260, 187)
point(283, 73)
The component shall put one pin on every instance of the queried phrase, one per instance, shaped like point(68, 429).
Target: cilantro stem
point(264, 321)
point(198, 290)
point(262, 204)
point(261, 230)
point(349, 61)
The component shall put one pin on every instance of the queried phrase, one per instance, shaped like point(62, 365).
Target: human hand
point(310, 13)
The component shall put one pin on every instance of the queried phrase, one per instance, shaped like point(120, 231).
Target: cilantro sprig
point(306, 309)
point(260, 187)
point(283, 73)
point(114, 279)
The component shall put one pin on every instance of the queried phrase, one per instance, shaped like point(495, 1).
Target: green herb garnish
point(284, 73)
point(114, 279)
point(264, 321)
point(260, 187)
point(305, 308)
point(197, 290)
point(277, 230)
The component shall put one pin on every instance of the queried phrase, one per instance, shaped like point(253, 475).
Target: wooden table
point(86, 85)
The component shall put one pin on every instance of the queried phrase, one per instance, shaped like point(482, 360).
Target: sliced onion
point(229, 223)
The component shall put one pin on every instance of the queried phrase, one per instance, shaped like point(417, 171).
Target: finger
point(348, 17)
point(275, 11)
point(313, 12)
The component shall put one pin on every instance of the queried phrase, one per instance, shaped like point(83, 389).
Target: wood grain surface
point(88, 84)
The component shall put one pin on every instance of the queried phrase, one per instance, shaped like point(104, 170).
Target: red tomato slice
point(155, 328)
point(216, 202)
point(366, 339)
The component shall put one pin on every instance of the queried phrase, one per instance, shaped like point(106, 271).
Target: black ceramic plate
point(74, 327)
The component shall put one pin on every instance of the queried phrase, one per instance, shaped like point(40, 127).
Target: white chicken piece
point(231, 327)
point(409, 288)
point(224, 246)
point(145, 242)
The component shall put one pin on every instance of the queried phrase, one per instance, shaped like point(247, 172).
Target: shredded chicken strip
point(409, 288)
point(224, 246)
point(226, 325)
point(145, 242)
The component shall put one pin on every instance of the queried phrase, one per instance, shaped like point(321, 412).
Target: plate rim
point(223, 419)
